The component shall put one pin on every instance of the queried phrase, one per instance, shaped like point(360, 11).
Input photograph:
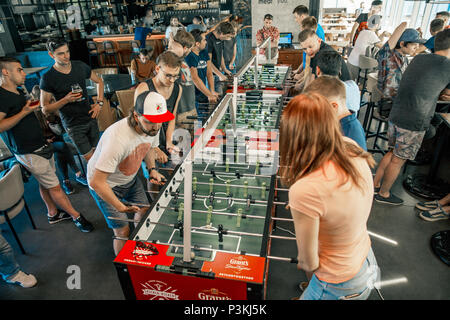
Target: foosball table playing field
point(207, 233)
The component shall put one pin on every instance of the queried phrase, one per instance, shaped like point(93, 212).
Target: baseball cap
point(411, 35)
point(153, 107)
point(374, 21)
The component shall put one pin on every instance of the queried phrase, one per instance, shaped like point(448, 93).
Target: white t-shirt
point(353, 95)
point(365, 38)
point(120, 152)
point(172, 30)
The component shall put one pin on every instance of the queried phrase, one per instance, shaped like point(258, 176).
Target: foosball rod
point(218, 213)
point(291, 260)
point(263, 203)
point(369, 232)
point(227, 173)
point(225, 185)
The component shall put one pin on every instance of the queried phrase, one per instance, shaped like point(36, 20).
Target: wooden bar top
point(124, 37)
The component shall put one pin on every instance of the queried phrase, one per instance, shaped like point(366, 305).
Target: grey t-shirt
point(422, 82)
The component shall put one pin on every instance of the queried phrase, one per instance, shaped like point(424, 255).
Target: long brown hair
point(310, 136)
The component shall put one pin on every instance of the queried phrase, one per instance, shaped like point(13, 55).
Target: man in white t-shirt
point(112, 170)
point(366, 38)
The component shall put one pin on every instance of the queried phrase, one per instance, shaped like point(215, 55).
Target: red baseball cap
point(153, 107)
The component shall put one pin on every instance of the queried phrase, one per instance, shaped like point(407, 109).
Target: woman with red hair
point(330, 198)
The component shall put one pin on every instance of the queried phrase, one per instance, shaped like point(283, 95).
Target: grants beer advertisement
point(232, 273)
point(236, 267)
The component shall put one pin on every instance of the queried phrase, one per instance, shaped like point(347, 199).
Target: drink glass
point(34, 100)
point(76, 88)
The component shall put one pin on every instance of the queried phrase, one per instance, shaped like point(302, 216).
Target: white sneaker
point(23, 279)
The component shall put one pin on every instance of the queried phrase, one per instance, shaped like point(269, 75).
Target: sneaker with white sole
point(24, 280)
point(58, 217)
point(427, 205)
point(434, 215)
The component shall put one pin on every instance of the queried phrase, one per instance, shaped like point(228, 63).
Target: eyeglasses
point(170, 76)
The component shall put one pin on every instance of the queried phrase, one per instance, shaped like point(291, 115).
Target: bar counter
point(122, 46)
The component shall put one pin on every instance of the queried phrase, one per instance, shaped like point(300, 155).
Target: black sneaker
point(67, 187)
point(58, 217)
point(83, 224)
point(392, 200)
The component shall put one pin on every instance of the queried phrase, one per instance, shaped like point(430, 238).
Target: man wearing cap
point(411, 114)
point(112, 170)
point(392, 62)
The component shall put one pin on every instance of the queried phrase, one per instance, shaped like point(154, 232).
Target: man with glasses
point(167, 71)
point(78, 117)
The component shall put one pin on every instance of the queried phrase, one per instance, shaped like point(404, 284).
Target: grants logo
point(238, 263)
point(159, 109)
point(158, 290)
point(212, 294)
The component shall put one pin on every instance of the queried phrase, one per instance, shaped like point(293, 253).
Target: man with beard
point(112, 170)
point(167, 72)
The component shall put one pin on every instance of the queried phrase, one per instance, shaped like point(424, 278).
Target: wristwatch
point(100, 103)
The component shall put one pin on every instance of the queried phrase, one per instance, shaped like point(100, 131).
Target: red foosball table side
point(147, 275)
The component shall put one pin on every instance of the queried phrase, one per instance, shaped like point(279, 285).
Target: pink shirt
point(343, 212)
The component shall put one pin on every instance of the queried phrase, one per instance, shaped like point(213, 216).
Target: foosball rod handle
point(290, 260)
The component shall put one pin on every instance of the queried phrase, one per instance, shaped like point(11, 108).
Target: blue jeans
point(132, 192)
point(8, 264)
point(357, 288)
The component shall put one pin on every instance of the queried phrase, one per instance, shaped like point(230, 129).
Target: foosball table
point(206, 234)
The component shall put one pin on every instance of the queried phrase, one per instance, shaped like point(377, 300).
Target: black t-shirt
point(215, 46)
point(59, 84)
point(171, 102)
point(363, 17)
point(345, 74)
point(422, 82)
point(228, 50)
point(26, 136)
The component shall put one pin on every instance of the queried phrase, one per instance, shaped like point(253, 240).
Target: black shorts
point(85, 137)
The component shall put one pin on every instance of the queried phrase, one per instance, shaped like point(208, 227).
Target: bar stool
point(366, 65)
point(372, 113)
point(93, 52)
point(135, 48)
point(110, 51)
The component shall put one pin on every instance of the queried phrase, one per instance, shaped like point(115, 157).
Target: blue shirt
point(352, 95)
point(200, 62)
point(140, 33)
point(430, 44)
point(352, 128)
point(321, 34)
